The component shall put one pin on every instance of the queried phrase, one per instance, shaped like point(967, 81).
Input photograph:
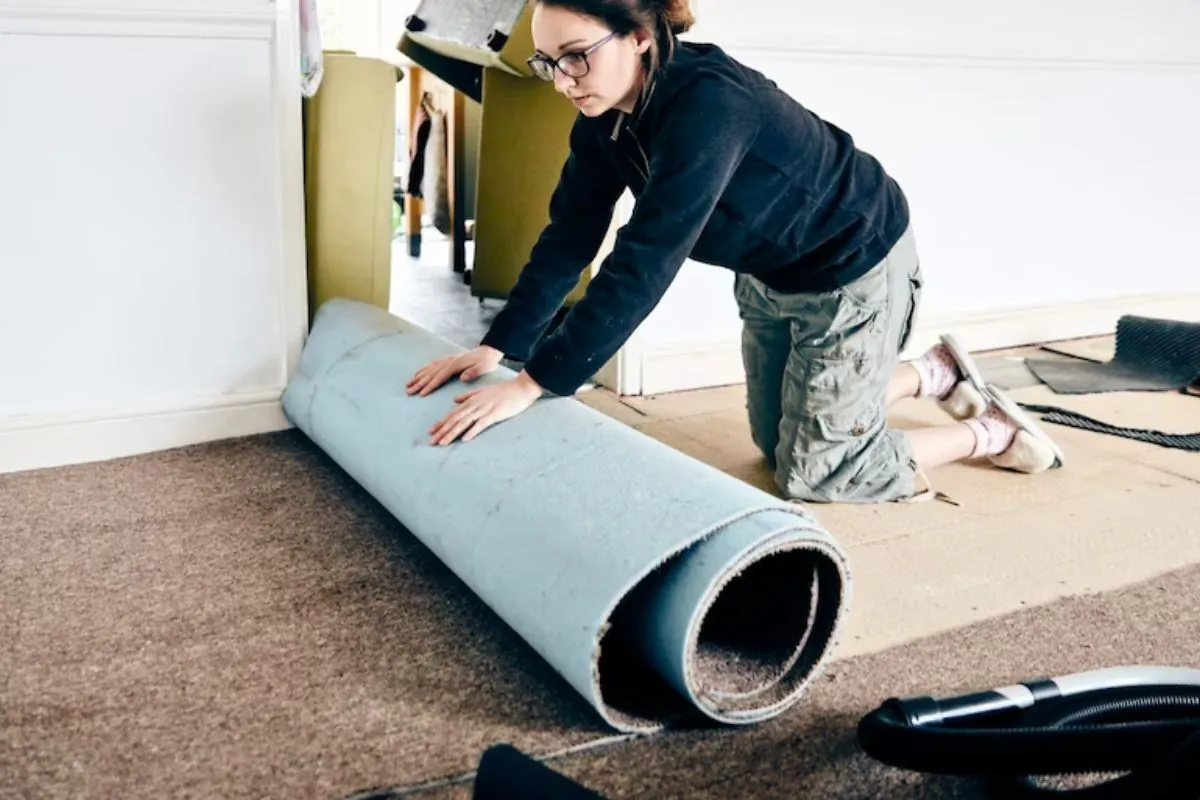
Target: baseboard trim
point(54, 441)
point(701, 365)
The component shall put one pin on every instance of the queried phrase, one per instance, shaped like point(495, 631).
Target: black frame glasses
point(573, 64)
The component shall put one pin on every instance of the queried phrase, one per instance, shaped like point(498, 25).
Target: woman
point(729, 170)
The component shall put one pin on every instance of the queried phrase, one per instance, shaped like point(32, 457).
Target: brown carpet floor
point(241, 620)
point(812, 753)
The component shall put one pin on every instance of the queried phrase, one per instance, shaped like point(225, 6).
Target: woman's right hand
point(470, 365)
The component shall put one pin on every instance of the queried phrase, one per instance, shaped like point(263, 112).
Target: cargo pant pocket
point(833, 420)
point(916, 282)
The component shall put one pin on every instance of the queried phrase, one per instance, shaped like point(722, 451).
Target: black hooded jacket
point(727, 170)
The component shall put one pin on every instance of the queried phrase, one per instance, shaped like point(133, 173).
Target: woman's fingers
point(440, 376)
point(481, 424)
point(465, 396)
point(444, 423)
point(417, 383)
point(455, 423)
point(422, 377)
point(456, 431)
point(436, 373)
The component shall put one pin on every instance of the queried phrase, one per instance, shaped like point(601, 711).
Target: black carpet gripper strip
point(1060, 416)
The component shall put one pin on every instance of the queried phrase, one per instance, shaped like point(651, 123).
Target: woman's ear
point(641, 40)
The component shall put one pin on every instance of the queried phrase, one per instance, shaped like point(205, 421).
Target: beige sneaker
point(1032, 450)
point(969, 397)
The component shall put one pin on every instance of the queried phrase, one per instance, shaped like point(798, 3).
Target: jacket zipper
point(643, 169)
point(645, 158)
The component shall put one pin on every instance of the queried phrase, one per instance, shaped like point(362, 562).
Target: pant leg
point(835, 445)
point(766, 343)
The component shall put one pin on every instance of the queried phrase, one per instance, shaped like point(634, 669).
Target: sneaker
point(1011, 439)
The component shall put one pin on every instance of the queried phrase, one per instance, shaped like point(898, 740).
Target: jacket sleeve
point(705, 133)
point(581, 210)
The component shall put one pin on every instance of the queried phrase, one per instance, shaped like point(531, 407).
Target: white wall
point(151, 228)
point(1049, 150)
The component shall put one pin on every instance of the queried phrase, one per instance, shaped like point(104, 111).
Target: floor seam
point(633, 408)
point(455, 780)
point(1139, 460)
point(1165, 471)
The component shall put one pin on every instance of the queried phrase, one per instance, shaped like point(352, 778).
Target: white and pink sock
point(938, 372)
point(994, 432)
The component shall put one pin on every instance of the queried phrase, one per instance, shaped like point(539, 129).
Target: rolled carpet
point(1151, 355)
point(661, 589)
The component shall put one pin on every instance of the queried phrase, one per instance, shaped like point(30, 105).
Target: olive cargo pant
point(817, 371)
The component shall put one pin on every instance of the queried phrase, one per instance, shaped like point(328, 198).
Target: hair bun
point(678, 14)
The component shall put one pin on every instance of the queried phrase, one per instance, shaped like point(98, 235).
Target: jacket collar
point(639, 109)
point(662, 84)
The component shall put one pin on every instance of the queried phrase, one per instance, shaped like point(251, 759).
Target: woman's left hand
point(481, 408)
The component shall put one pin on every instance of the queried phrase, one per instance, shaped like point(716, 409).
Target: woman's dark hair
point(664, 19)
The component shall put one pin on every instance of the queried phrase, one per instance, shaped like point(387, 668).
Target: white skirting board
point(41, 442)
point(687, 366)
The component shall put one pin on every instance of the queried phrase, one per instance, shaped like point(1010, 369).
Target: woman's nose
point(563, 82)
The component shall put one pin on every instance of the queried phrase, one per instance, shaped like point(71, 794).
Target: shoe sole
point(965, 363)
point(1024, 422)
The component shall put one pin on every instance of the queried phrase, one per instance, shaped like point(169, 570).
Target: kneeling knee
point(810, 480)
point(875, 475)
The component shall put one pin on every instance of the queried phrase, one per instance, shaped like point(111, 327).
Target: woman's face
point(602, 71)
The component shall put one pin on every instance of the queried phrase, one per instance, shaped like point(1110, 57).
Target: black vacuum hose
point(1142, 721)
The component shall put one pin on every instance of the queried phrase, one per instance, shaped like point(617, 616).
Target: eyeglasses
point(573, 64)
